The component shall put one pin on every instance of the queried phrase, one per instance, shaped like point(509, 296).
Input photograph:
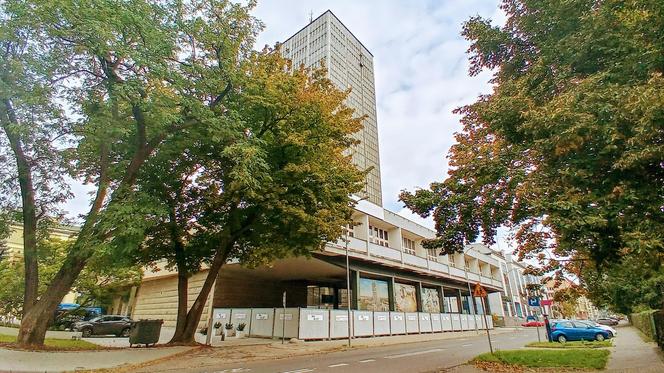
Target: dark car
point(104, 325)
point(607, 321)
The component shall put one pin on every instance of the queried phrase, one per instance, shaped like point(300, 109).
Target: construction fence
point(320, 324)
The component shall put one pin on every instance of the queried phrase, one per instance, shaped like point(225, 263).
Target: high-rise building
point(349, 65)
point(388, 267)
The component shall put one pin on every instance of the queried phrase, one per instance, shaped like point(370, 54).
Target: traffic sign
point(534, 301)
point(479, 291)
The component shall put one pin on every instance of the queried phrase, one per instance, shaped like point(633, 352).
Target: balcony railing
point(371, 250)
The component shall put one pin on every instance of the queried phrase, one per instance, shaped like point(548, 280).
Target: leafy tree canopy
point(568, 149)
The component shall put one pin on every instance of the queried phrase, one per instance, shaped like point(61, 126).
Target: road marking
point(367, 360)
point(467, 345)
point(337, 365)
point(414, 353)
point(301, 370)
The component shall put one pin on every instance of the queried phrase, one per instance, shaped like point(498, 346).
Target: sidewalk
point(632, 354)
point(43, 361)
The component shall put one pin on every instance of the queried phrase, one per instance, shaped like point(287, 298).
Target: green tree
point(31, 129)
point(568, 149)
point(127, 72)
point(96, 284)
point(632, 284)
point(273, 183)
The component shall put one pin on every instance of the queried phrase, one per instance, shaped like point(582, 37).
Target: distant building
point(584, 308)
point(14, 245)
point(512, 301)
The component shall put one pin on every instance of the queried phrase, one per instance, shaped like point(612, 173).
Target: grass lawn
point(572, 358)
point(575, 344)
point(55, 344)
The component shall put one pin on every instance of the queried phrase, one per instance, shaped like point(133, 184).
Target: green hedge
point(644, 322)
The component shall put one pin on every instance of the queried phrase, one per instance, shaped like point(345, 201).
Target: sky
point(421, 71)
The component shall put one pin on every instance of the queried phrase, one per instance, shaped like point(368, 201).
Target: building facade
point(584, 309)
point(326, 41)
point(12, 249)
point(511, 302)
point(389, 269)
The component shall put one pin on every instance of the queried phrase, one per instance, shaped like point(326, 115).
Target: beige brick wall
point(158, 299)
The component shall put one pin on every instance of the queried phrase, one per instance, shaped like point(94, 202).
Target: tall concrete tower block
point(349, 65)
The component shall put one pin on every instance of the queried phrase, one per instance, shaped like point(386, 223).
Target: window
point(433, 254)
point(349, 229)
point(408, 246)
point(378, 236)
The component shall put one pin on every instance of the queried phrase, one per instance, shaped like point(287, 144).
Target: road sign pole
point(486, 322)
point(537, 326)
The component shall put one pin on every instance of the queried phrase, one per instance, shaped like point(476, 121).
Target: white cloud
point(421, 74)
point(421, 71)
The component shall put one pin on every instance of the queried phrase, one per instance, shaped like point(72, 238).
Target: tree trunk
point(183, 305)
point(29, 207)
point(194, 315)
point(35, 320)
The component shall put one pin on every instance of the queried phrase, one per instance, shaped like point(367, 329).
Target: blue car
point(566, 330)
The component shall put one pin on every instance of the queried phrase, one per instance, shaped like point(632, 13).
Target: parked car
point(533, 323)
point(567, 330)
point(104, 325)
point(607, 321)
point(605, 327)
point(531, 318)
point(69, 313)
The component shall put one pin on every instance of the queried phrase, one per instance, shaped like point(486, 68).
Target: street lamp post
point(348, 297)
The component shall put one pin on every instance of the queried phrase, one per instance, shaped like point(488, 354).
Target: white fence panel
point(412, 323)
point(363, 323)
point(314, 324)
point(471, 322)
point(436, 325)
point(456, 322)
point(446, 321)
point(425, 322)
point(398, 322)
point(464, 322)
point(241, 316)
point(381, 323)
point(339, 324)
point(262, 322)
point(290, 318)
point(479, 319)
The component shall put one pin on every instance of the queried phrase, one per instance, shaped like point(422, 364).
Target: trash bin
point(145, 332)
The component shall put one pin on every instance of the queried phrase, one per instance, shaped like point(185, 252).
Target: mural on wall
point(373, 295)
point(405, 298)
point(430, 300)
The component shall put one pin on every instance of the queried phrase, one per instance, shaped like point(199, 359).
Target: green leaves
point(567, 150)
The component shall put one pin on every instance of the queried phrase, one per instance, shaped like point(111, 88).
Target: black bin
point(145, 332)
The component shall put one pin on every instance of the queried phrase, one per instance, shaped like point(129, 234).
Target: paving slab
point(50, 361)
point(631, 354)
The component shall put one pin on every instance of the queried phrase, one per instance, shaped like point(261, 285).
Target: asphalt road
point(412, 357)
